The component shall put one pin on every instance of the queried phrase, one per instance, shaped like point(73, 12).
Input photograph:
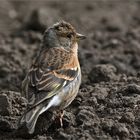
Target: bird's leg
point(59, 117)
point(61, 114)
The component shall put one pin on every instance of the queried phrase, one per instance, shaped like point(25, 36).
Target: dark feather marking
point(44, 75)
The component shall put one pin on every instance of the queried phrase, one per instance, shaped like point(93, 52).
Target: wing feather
point(49, 74)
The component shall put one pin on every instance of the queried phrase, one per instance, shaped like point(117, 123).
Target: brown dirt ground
point(108, 103)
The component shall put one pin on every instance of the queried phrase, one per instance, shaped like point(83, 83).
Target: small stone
point(101, 73)
point(107, 125)
point(43, 138)
point(120, 130)
point(127, 117)
point(84, 115)
point(63, 136)
point(100, 92)
point(5, 105)
point(130, 89)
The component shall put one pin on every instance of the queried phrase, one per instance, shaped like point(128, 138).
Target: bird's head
point(61, 34)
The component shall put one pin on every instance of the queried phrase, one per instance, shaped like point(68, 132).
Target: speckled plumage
point(54, 78)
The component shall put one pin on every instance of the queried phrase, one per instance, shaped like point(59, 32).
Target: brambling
point(54, 78)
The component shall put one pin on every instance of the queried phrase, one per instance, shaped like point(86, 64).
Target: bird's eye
point(57, 28)
point(69, 35)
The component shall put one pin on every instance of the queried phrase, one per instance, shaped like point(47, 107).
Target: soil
point(108, 103)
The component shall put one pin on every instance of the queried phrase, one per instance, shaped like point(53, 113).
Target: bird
point(54, 77)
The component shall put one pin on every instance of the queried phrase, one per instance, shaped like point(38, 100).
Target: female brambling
point(54, 78)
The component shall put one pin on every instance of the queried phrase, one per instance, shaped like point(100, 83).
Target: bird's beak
point(80, 36)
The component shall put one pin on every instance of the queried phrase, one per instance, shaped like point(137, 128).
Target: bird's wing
point(51, 71)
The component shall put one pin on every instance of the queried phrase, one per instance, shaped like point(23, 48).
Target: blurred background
point(84, 14)
point(112, 29)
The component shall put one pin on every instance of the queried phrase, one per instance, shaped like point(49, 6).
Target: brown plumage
point(54, 77)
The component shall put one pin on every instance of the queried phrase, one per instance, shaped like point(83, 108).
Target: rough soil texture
point(108, 104)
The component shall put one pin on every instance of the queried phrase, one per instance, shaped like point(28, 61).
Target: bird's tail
point(30, 118)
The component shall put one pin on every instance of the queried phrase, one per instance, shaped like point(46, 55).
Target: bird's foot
point(59, 118)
